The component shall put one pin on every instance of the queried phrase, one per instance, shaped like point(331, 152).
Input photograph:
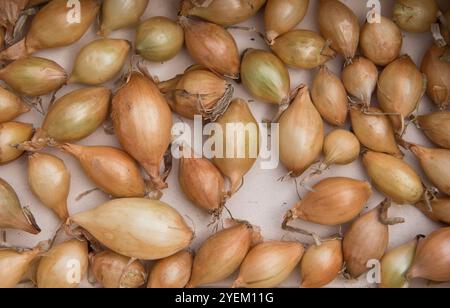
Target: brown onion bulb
point(268, 264)
point(114, 271)
point(415, 15)
point(11, 106)
point(321, 264)
point(118, 14)
point(382, 41)
point(302, 49)
point(360, 79)
point(432, 260)
point(301, 134)
point(111, 169)
point(281, 16)
point(438, 75)
point(137, 228)
point(439, 209)
point(11, 134)
point(394, 177)
point(437, 127)
point(49, 180)
point(340, 147)
point(339, 24)
point(212, 46)
point(171, 272)
point(143, 121)
point(329, 97)
point(332, 202)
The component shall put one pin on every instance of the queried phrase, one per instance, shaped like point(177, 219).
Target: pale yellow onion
point(63, 266)
point(49, 180)
point(382, 41)
point(415, 15)
point(112, 270)
point(360, 79)
point(137, 228)
point(340, 147)
point(111, 169)
point(439, 211)
point(11, 106)
point(159, 39)
point(437, 127)
point(33, 76)
point(245, 145)
point(302, 49)
point(143, 121)
point(321, 264)
point(171, 272)
point(329, 96)
point(280, 16)
point(393, 177)
point(100, 61)
point(118, 14)
point(11, 134)
point(268, 264)
point(301, 134)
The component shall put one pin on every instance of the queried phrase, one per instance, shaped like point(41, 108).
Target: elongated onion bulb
point(171, 272)
point(118, 14)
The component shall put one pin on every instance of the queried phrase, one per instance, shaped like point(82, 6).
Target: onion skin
point(137, 228)
point(374, 130)
point(33, 76)
point(340, 147)
point(143, 121)
point(14, 265)
point(118, 14)
point(281, 16)
point(340, 25)
point(393, 177)
point(172, 272)
point(112, 170)
point(100, 61)
point(440, 209)
point(11, 106)
point(438, 75)
point(301, 134)
point(366, 239)
point(12, 133)
point(159, 39)
point(437, 127)
point(302, 49)
point(415, 15)
point(321, 264)
point(334, 201)
point(56, 266)
point(114, 271)
point(236, 168)
point(49, 180)
point(265, 76)
point(268, 264)
point(329, 97)
point(221, 255)
point(432, 260)
point(212, 46)
point(360, 79)
point(381, 42)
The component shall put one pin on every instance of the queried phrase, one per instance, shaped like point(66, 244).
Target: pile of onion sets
point(369, 111)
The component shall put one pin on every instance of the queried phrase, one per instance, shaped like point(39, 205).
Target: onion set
point(118, 14)
point(12, 134)
point(360, 78)
point(340, 147)
point(11, 106)
point(438, 209)
point(415, 15)
point(172, 272)
point(437, 127)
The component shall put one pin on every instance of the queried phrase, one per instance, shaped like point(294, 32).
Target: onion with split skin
point(11, 106)
point(437, 127)
point(171, 272)
point(119, 14)
point(360, 79)
point(415, 15)
point(12, 134)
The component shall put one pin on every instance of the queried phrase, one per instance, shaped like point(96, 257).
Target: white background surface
point(263, 200)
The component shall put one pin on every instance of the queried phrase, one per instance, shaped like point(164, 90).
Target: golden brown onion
point(360, 79)
point(171, 272)
point(437, 127)
point(11, 106)
point(415, 15)
point(340, 147)
point(118, 14)
point(11, 134)
point(439, 211)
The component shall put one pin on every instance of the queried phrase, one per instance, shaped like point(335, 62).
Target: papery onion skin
point(321, 264)
point(221, 255)
point(440, 209)
point(340, 147)
point(142, 122)
point(172, 272)
point(137, 228)
point(265, 76)
point(112, 170)
point(118, 14)
point(268, 264)
point(394, 177)
point(49, 180)
point(13, 133)
point(302, 49)
point(360, 79)
point(54, 269)
point(280, 16)
point(415, 15)
point(339, 24)
point(11, 106)
point(212, 46)
point(301, 134)
point(329, 96)
point(33, 76)
point(159, 39)
point(114, 271)
point(438, 75)
point(437, 127)
point(14, 265)
point(381, 42)
point(432, 260)
point(100, 61)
